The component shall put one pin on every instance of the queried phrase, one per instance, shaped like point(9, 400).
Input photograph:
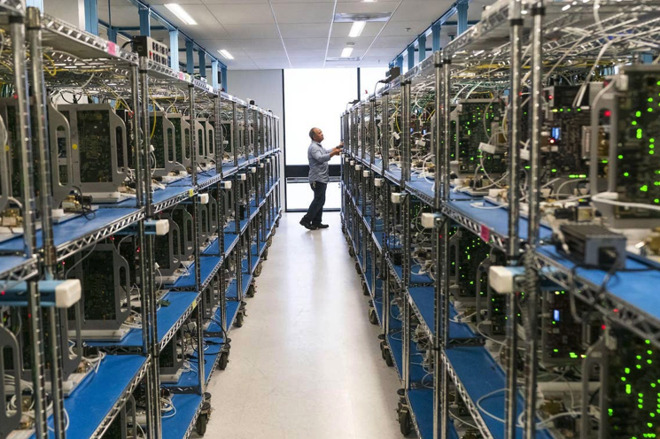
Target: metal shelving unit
point(423, 155)
point(201, 301)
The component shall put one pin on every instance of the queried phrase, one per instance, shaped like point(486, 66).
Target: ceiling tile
point(318, 30)
point(428, 11)
point(251, 31)
point(405, 28)
point(242, 14)
point(303, 13)
point(306, 43)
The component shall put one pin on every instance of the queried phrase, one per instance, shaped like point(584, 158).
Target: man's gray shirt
point(318, 163)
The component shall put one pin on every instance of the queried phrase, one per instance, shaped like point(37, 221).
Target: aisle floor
point(306, 363)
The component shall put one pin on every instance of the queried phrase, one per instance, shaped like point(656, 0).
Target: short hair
point(311, 133)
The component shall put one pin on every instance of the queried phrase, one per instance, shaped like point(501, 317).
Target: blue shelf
point(393, 174)
point(495, 219)
point(247, 279)
point(167, 317)
point(421, 403)
point(228, 169)
point(79, 227)
point(90, 404)
point(232, 311)
point(232, 291)
point(187, 406)
point(423, 298)
point(13, 264)
point(178, 190)
point(209, 265)
point(421, 186)
point(480, 375)
point(630, 287)
point(207, 178)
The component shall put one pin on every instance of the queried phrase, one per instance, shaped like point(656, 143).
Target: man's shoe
point(307, 225)
point(320, 226)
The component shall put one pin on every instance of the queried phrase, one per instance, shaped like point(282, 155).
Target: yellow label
point(6, 147)
point(74, 146)
point(191, 192)
point(194, 304)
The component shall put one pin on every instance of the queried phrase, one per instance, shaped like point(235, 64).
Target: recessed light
point(369, 1)
point(181, 14)
point(357, 29)
point(226, 54)
point(346, 53)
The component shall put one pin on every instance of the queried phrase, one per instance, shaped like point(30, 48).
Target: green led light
point(556, 351)
point(610, 412)
point(657, 201)
point(626, 370)
point(639, 366)
point(620, 156)
point(649, 424)
point(653, 385)
point(573, 355)
point(633, 123)
point(650, 99)
point(650, 110)
point(651, 152)
point(652, 140)
point(638, 113)
point(628, 389)
point(639, 133)
point(626, 174)
point(623, 379)
point(649, 361)
point(644, 188)
point(604, 162)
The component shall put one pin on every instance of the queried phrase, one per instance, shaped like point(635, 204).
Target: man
point(318, 178)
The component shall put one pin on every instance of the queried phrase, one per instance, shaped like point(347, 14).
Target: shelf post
point(531, 274)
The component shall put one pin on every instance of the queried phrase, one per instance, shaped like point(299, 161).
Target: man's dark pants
point(315, 211)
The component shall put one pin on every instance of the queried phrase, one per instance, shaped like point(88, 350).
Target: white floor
point(306, 363)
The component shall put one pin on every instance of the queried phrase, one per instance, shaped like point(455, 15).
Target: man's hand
point(341, 145)
point(335, 151)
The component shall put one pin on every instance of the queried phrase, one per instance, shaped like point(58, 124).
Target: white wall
point(71, 11)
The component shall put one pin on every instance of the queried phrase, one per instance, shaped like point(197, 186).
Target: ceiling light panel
point(226, 54)
point(181, 13)
point(346, 53)
point(356, 29)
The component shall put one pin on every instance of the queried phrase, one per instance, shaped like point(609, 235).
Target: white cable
point(602, 198)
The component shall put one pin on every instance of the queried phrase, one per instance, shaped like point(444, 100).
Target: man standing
point(318, 178)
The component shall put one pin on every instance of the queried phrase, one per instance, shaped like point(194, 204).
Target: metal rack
point(206, 299)
point(389, 178)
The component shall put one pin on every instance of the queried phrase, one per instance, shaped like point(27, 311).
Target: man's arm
point(320, 154)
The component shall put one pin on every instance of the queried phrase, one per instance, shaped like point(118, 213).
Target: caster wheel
point(373, 317)
point(257, 271)
point(405, 422)
point(357, 267)
point(265, 255)
point(239, 320)
point(251, 290)
point(387, 356)
point(224, 359)
point(200, 425)
point(351, 252)
point(365, 290)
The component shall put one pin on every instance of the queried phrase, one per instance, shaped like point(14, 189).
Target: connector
point(503, 279)
point(225, 185)
point(429, 220)
point(158, 227)
point(378, 182)
point(242, 177)
point(397, 197)
point(203, 198)
point(253, 169)
point(358, 167)
point(366, 174)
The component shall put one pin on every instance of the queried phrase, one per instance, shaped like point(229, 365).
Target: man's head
point(316, 134)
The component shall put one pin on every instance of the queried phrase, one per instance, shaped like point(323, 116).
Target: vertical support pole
point(421, 47)
point(223, 80)
point(411, 56)
point(407, 141)
point(190, 57)
point(145, 21)
point(443, 248)
point(462, 12)
point(40, 132)
point(174, 50)
point(435, 34)
point(112, 34)
point(406, 335)
point(196, 217)
point(17, 31)
point(202, 63)
point(91, 17)
point(513, 244)
point(437, 242)
point(214, 74)
point(531, 275)
point(399, 62)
